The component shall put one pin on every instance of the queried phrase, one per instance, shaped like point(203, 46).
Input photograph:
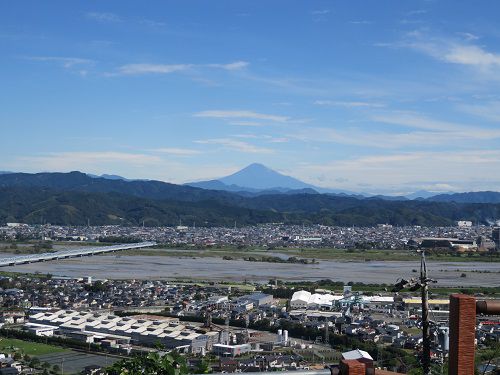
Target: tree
point(153, 363)
point(34, 362)
point(203, 367)
point(18, 356)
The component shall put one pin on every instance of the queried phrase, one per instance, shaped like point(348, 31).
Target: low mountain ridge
point(37, 205)
point(78, 181)
point(72, 198)
point(470, 197)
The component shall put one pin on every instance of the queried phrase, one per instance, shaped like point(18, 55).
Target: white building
point(40, 329)
point(302, 299)
point(464, 224)
point(357, 354)
point(231, 350)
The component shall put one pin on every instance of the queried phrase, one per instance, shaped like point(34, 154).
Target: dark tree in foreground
point(153, 363)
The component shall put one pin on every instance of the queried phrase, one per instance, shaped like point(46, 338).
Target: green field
point(27, 347)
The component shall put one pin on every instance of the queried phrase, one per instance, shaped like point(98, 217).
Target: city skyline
point(389, 97)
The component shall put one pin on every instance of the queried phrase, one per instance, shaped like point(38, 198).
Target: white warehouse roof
point(304, 297)
point(356, 354)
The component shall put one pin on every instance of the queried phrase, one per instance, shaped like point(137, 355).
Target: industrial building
point(444, 243)
point(303, 299)
point(257, 299)
point(223, 350)
point(145, 330)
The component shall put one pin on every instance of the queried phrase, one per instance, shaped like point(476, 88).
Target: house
point(92, 370)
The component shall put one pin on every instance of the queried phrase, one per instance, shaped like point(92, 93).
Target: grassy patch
point(27, 347)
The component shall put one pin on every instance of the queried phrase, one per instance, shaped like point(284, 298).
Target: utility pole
point(426, 349)
point(413, 285)
point(327, 332)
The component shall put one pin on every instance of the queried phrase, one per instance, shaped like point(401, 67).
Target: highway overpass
point(72, 253)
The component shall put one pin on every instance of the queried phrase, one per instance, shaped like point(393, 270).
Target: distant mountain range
point(472, 197)
point(77, 181)
point(109, 177)
point(257, 178)
point(251, 181)
point(73, 198)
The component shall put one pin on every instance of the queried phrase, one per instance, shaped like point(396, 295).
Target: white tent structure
point(302, 299)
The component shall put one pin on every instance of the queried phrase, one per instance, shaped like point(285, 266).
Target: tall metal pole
point(426, 352)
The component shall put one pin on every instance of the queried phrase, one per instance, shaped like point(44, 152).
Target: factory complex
point(94, 327)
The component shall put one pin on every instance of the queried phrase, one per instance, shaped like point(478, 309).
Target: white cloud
point(138, 69)
point(236, 145)
point(177, 151)
point(145, 68)
point(320, 12)
point(65, 62)
point(242, 114)
point(471, 55)
point(450, 50)
point(131, 165)
point(458, 170)
point(412, 120)
point(68, 161)
point(246, 123)
point(410, 130)
point(103, 17)
point(348, 104)
point(416, 12)
point(152, 23)
point(487, 110)
point(265, 137)
point(468, 36)
point(279, 140)
point(237, 65)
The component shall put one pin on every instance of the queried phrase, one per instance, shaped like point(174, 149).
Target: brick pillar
point(352, 367)
point(462, 334)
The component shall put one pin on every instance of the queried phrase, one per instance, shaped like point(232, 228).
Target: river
point(214, 268)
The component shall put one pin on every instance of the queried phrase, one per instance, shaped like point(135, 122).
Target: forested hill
point(77, 181)
point(72, 207)
point(470, 197)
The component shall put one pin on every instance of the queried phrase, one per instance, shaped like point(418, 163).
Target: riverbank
point(312, 253)
point(217, 269)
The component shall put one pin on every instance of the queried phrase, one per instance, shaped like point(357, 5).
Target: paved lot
point(72, 362)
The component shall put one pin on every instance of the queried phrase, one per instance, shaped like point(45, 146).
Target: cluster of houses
point(85, 293)
point(259, 363)
point(81, 309)
point(382, 236)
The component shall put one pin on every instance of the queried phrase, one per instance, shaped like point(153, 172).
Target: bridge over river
point(73, 253)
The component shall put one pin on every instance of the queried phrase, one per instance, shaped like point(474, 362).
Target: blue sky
point(373, 96)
